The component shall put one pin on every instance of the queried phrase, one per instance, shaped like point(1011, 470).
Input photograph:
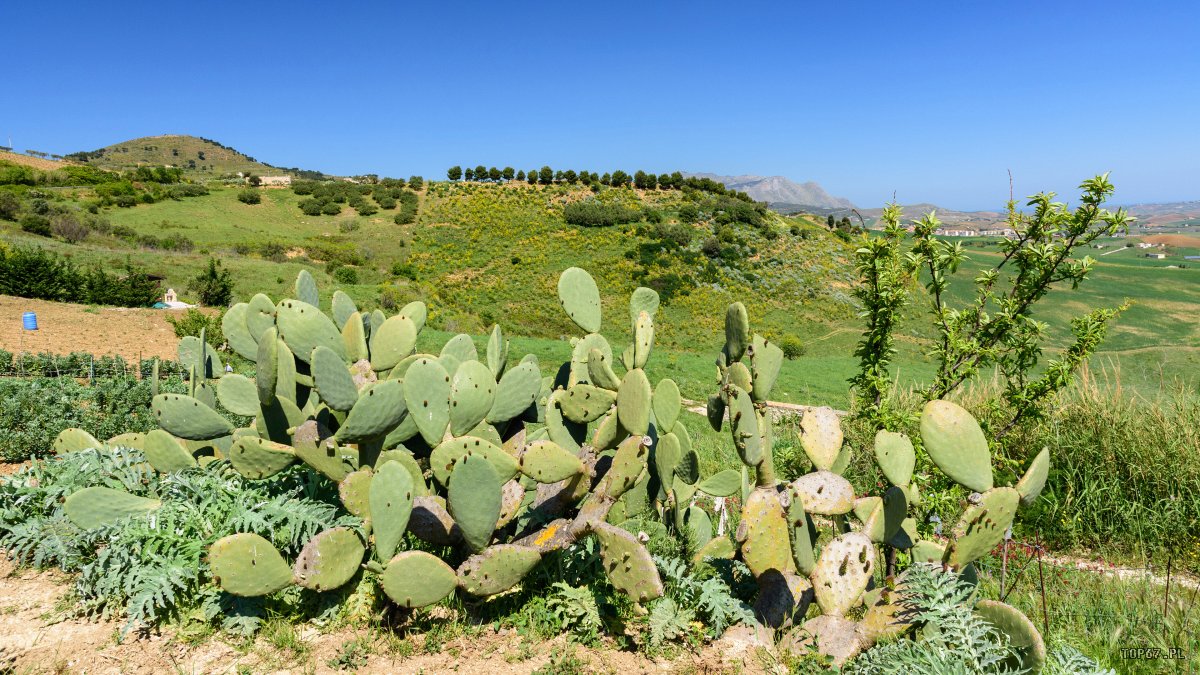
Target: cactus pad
point(165, 453)
point(1031, 484)
point(600, 372)
point(763, 533)
point(185, 417)
point(885, 519)
point(895, 456)
point(580, 299)
point(627, 563)
point(633, 402)
point(497, 352)
point(329, 559)
point(1021, 633)
point(547, 462)
point(474, 500)
point(448, 453)
point(306, 289)
point(627, 467)
point(233, 326)
point(766, 360)
point(354, 491)
point(343, 308)
point(256, 458)
point(238, 394)
point(982, 526)
point(260, 316)
point(416, 579)
point(427, 393)
point(74, 439)
point(824, 493)
point(354, 337)
point(643, 340)
point(821, 436)
point(248, 565)
point(497, 569)
point(956, 444)
point(95, 506)
point(390, 502)
point(585, 403)
point(667, 405)
point(747, 437)
point(737, 332)
point(722, 484)
point(378, 410)
point(472, 393)
point(516, 391)
point(842, 572)
point(303, 328)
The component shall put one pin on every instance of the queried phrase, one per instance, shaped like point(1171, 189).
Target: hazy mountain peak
point(780, 190)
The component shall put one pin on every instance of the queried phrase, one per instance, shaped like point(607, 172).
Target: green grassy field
point(484, 254)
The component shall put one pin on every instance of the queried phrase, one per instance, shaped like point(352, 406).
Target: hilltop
point(190, 153)
point(781, 193)
point(32, 162)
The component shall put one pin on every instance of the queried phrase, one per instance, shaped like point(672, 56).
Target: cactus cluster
point(495, 465)
point(433, 446)
point(814, 540)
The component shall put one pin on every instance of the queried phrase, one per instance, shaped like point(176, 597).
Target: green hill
point(198, 155)
point(491, 253)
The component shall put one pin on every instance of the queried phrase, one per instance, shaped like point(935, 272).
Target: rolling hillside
point(191, 153)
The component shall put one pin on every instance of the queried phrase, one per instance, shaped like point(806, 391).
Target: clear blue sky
point(932, 101)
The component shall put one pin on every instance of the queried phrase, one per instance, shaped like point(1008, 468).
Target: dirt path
point(64, 328)
point(35, 638)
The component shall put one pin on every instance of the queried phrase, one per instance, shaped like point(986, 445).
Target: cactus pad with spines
point(238, 394)
point(166, 453)
point(824, 493)
point(329, 559)
point(427, 393)
point(743, 418)
point(600, 372)
point(74, 439)
point(92, 507)
point(821, 436)
point(248, 565)
point(474, 500)
point(354, 491)
point(842, 572)
point(472, 393)
point(722, 484)
point(390, 503)
point(667, 405)
point(303, 328)
point(186, 417)
point(895, 456)
point(627, 563)
point(763, 533)
point(517, 390)
point(1022, 635)
point(306, 289)
point(737, 332)
point(956, 444)
point(332, 379)
point(497, 352)
point(1031, 484)
point(377, 411)
point(547, 462)
point(451, 451)
point(633, 402)
point(766, 360)
point(580, 299)
point(343, 308)
point(885, 519)
point(982, 526)
point(416, 579)
point(497, 568)
point(257, 458)
point(237, 334)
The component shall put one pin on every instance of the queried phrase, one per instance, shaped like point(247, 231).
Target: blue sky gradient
point(932, 101)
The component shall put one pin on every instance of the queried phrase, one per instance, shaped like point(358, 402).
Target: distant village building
point(954, 232)
point(170, 296)
point(1156, 256)
point(1142, 244)
point(275, 181)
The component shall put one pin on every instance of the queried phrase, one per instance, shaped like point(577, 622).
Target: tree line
point(546, 175)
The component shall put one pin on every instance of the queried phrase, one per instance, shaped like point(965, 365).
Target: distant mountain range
point(780, 193)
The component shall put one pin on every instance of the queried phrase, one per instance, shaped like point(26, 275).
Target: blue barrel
point(29, 321)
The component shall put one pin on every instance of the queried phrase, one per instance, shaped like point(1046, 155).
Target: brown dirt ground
point(64, 328)
point(35, 162)
point(1184, 240)
point(35, 638)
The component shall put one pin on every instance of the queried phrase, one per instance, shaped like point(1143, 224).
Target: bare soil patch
point(1182, 240)
point(35, 637)
point(34, 162)
point(64, 328)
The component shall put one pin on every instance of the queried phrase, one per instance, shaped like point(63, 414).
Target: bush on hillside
point(35, 224)
point(194, 321)
point(214, 286)
point(249, 196)
point(345, 275)
point(591, 213)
